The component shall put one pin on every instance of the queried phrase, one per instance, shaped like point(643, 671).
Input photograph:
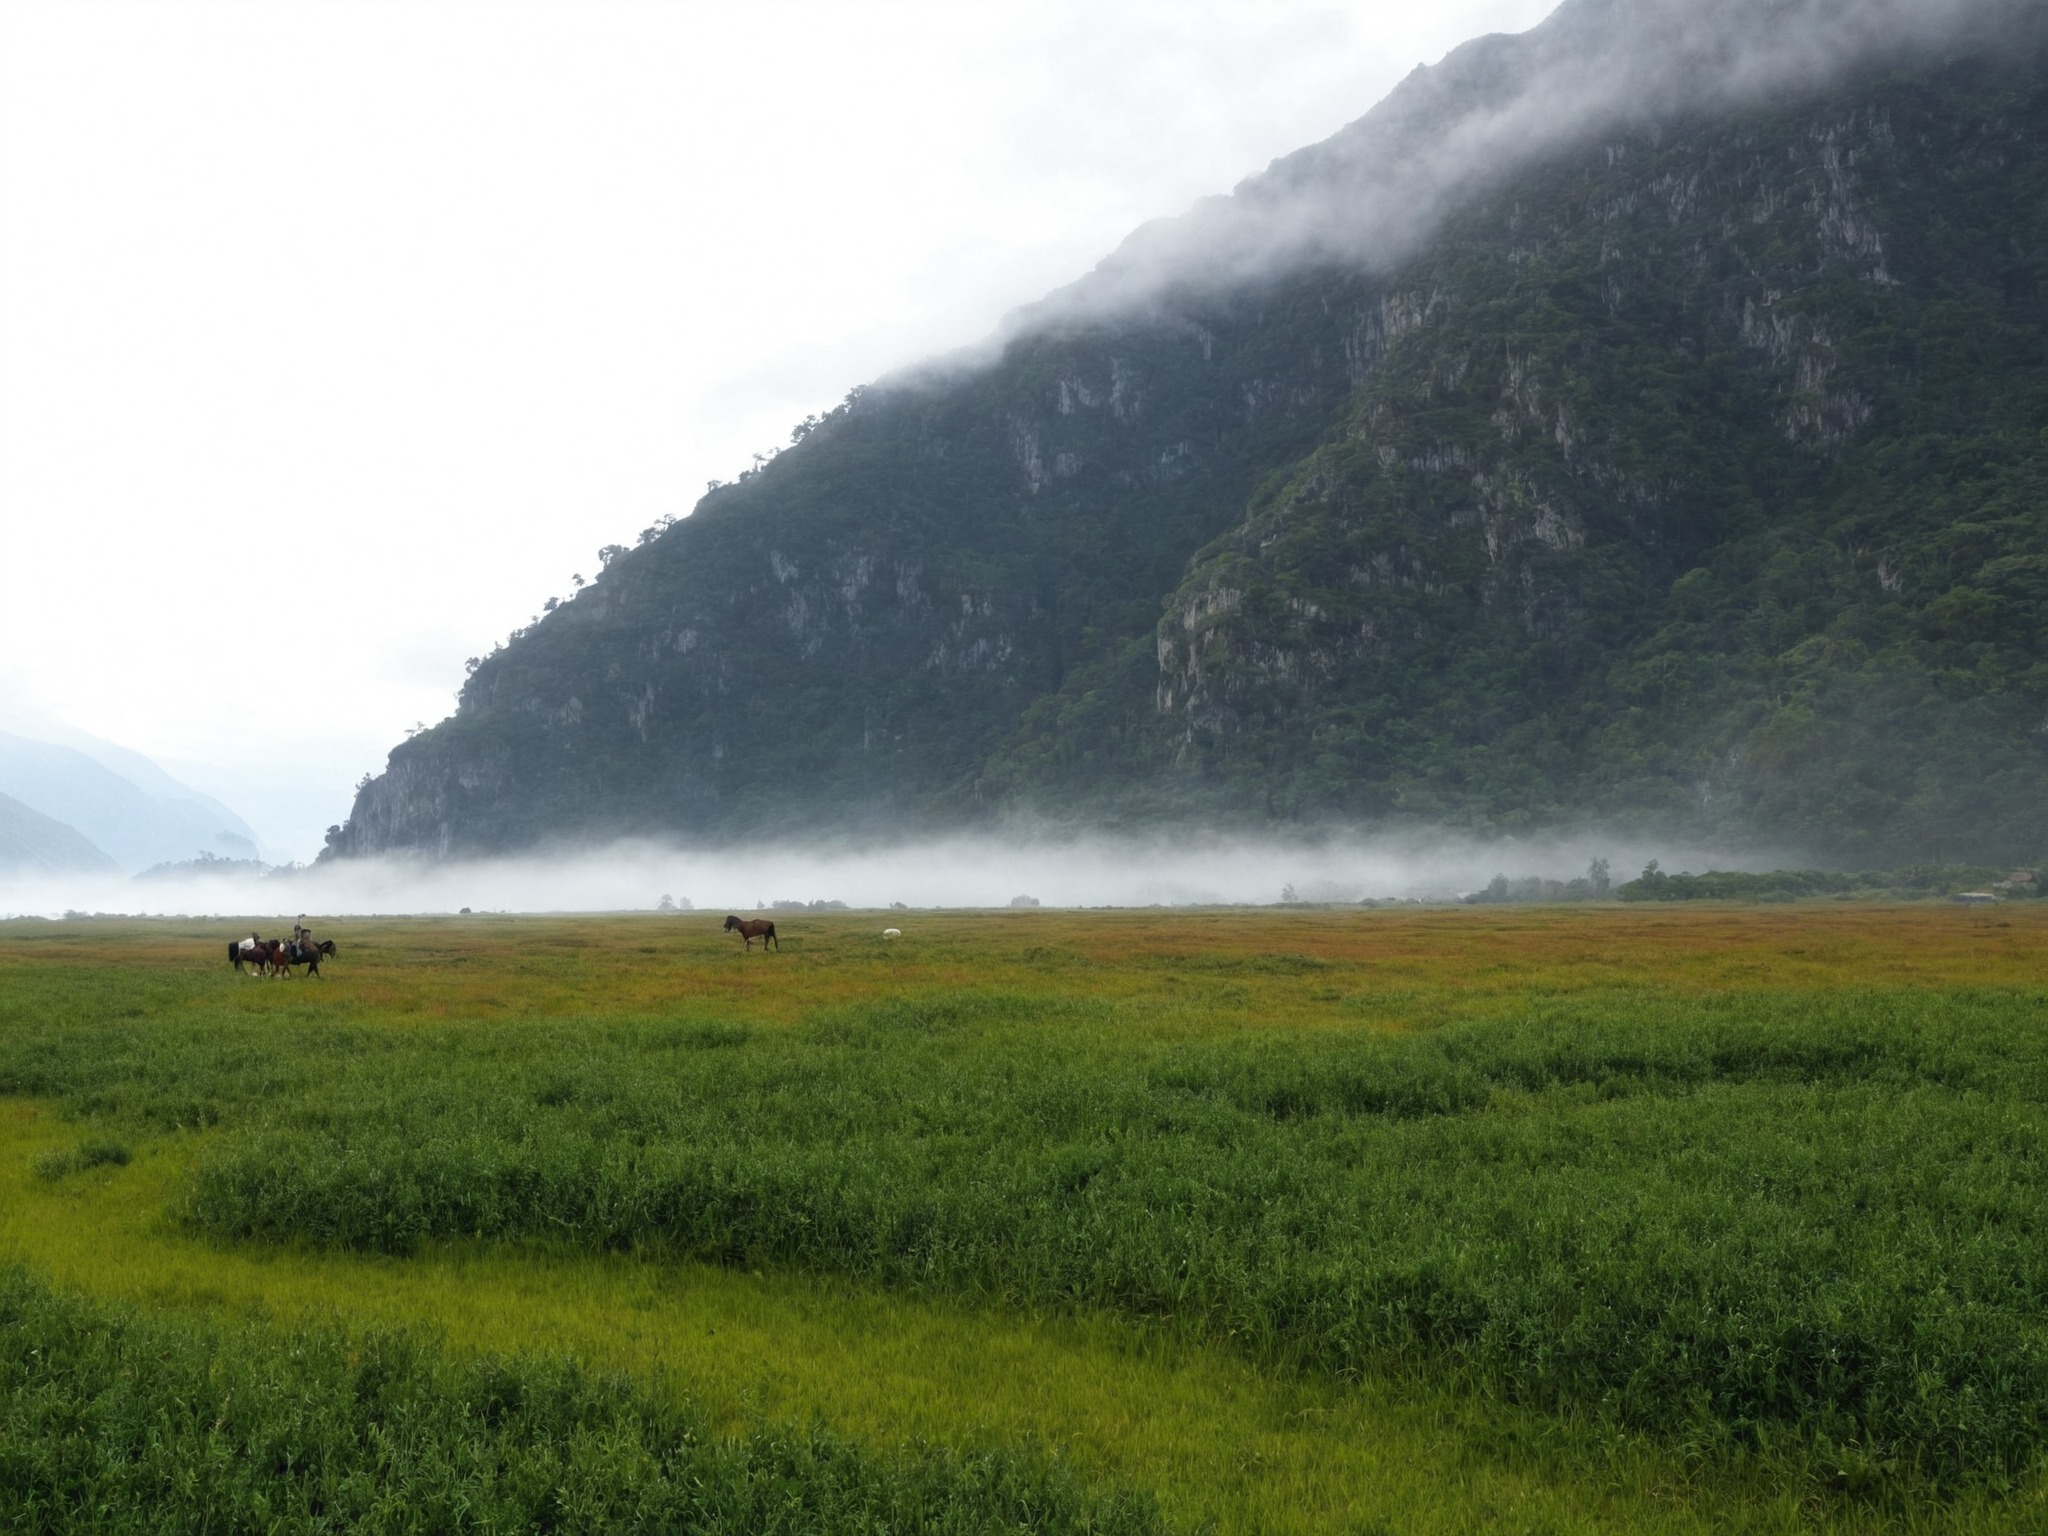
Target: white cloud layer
point(950, 872)
point(1369, 195)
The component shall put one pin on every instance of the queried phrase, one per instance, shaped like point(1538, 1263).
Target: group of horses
point(276, 957)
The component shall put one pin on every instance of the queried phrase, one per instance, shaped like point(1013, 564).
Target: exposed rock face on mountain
point(1623, 422)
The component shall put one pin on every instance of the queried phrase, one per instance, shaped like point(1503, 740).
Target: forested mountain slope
point(1687, 467)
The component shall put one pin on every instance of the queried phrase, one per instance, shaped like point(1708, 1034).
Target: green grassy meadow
point(1543, 1219)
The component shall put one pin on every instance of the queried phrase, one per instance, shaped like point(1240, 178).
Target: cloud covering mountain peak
point(1370, 194)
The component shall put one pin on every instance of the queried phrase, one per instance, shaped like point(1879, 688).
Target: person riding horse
point(276, 957)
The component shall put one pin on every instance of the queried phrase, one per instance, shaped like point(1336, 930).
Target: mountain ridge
point(32, 843)
point(1548, 519)
point(116, 799)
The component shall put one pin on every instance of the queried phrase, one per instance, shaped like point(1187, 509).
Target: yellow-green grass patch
point(1217, 1435)
point(1217, 1440)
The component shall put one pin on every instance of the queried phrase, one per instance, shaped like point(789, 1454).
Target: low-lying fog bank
point(950, 872)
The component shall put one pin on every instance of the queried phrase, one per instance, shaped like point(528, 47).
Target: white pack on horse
point(265, 957)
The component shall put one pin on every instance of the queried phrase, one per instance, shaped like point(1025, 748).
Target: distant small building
point(1975, 898)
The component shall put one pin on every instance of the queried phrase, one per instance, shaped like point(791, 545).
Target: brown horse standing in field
point(754, 928)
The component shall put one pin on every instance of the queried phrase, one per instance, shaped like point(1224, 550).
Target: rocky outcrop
point(1480, 474)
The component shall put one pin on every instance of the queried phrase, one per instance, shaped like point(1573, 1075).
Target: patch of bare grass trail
point(1219, 1442)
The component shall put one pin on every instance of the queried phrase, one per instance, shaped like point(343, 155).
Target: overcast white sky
point(335, 337)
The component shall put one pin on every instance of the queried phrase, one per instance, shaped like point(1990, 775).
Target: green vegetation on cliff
point(1691, 474)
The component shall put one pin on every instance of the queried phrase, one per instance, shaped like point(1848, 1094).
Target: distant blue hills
point(85, 804)
point(31, 841)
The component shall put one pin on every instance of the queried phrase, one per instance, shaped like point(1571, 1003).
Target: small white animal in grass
point(892, 933)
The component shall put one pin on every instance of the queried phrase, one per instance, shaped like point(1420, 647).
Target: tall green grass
point(1798, 1222)
point(113, 1420)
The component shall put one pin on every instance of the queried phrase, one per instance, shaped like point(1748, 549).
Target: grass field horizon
point(1594, 1218)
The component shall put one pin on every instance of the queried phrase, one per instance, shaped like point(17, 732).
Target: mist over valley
point(966, 871)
